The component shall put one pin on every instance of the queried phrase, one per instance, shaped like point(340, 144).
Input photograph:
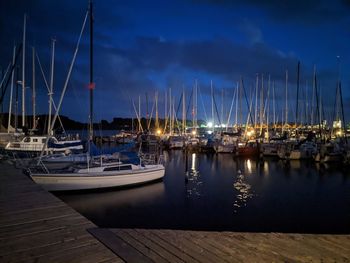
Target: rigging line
point(245, 95)
point(230, 112)
point(5, 75)
point(12, 68)
point(150, 116)
point(189, 104)
point(137, 115)
point(48, 89)
point(65, 86)
point(205, 112)
point(216, 109)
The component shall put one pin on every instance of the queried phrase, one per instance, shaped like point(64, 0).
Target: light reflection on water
point(194, 180)
point(243, 189)
point(220, 192)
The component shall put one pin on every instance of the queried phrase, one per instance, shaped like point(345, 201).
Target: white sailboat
point(104, 175)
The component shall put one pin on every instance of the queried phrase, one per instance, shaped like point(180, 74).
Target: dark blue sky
point(144, 46)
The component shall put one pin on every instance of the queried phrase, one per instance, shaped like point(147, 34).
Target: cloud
point(307, 12)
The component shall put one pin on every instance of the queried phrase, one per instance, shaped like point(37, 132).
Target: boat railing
point(151, 158)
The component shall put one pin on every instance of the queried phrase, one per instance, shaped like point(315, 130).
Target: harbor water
point(222, 193)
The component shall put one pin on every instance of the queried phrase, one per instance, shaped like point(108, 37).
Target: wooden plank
point(225, 250)
point(205, 244)
point(189, 247)
point(48, 249)
point(35, 215)
point(145, 246)
point(150, 234)
point(33, 228)
point(118, 246)
point(55, 236)
point(93, 253)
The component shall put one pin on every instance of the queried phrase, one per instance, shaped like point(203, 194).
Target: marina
point(142, 136)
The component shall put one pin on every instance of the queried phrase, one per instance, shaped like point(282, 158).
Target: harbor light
point(210, 124)
point(339, 133)
point(159, 131)
point(194, 132)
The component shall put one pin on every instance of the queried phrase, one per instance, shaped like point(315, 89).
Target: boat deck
point(35, 226)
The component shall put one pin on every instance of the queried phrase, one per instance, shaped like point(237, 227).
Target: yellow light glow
point(159, 132)
point(249, 166)
point(194, 132)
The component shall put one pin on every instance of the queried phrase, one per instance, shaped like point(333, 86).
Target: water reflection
point(243, 190)
point(194, 183)
point(223, 193)
point(100, 202)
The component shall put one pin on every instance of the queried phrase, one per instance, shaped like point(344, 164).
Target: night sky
point(147, 46)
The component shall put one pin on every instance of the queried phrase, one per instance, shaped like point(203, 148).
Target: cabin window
point(35, 140)
point(117, 168)
point(27, 139)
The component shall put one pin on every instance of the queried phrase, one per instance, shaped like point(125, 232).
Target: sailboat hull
point(96, 180)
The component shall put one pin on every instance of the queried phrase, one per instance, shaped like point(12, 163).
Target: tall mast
point(297, 106)
point(286, 116)
point(222, 104)
point(273, 105)
point(49, 128)
point(262, 104)
point(212, 104)
point(236, 115)
point(183, 111)
point(34, 91)
point(165, 110)
point(11, 91)
point(157, 117)
point(147, 113)
point(196, 107)
point(140, 125)
point(317, 103)
point(170, 113)
point(91, 84)
point(256, 100)
point(23, 70)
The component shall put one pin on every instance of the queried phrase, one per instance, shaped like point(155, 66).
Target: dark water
point(227, 194)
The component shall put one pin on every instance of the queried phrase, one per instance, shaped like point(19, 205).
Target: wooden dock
point(35, 226)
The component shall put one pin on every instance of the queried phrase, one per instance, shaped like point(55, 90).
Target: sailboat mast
point(183, 111)
point(286, 116)
point(256, 101)
point(16, 99)
point(91, 84)
point(212, 104)
point(49, 128)
point(34, 91)
point(274, 105)
point(11, 91)
point(23, 70)
point(196, 107)
point(261, 104)
point(157, 117)
point(297, 102)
